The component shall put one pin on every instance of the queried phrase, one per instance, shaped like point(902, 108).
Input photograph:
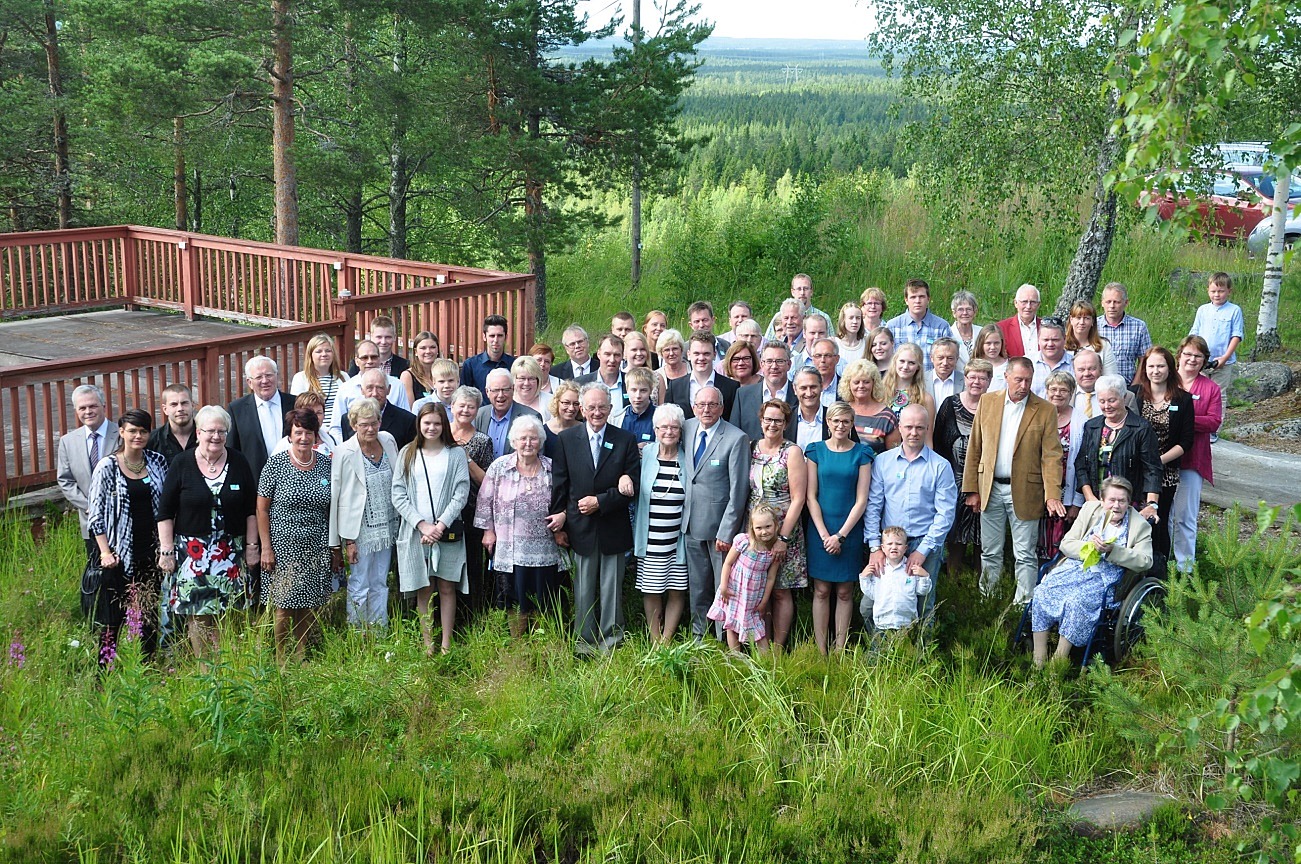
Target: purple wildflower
point(135, 622)
point(107, 650)
point(17, 653)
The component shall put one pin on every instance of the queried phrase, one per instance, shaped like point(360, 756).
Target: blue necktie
point(700, 448)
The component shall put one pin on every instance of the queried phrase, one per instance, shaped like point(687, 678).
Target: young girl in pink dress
point(749, 574)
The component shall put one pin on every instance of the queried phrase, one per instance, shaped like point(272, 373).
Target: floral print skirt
point(208, 579)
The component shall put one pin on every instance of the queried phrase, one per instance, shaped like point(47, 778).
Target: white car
point(1258, 239)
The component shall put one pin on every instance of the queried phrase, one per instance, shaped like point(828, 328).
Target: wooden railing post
point(189, 276)
point(131, 268)
point(209, 379)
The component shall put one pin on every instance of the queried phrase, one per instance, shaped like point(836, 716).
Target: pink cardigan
point(1208, 414)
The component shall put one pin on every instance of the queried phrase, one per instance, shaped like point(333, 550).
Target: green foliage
point(513, 750)
point(1219, 700)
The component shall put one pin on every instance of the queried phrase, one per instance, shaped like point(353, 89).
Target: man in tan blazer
point(1013, 473)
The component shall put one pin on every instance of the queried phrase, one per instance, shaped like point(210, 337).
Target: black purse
point(91, 579)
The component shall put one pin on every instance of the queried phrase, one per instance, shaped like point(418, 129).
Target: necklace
point(137, 468)
point(213, 464)
point(304, 465)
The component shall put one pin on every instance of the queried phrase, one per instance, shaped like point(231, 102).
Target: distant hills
point(759, 49)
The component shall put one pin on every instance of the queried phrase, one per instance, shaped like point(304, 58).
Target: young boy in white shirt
point(1221, 324)
point(894, 592)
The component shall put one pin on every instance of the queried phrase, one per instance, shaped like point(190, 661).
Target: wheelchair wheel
point(1149, 593)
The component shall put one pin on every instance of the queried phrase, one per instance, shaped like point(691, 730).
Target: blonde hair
point(915, 390)
point(309, 368)
point(861, 368)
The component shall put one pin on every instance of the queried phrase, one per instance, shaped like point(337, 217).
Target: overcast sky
point(751, 19)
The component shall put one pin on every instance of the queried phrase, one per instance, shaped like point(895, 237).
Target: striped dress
point(658, 572)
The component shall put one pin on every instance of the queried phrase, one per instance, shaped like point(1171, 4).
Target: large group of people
point(729, 471)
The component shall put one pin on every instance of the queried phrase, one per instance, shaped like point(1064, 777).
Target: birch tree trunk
point(1095, 243)
point(1267, 340)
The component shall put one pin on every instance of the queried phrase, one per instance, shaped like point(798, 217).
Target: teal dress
point(837, 485)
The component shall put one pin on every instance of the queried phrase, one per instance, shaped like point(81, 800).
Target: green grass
point(515, 751)
point(746, 241)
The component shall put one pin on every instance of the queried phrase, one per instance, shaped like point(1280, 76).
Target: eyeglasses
point(367, 356)
point(499, 390)
point(708, 404)
point(215, 433)
point(774, 361)
point(773, 421)
point(825, 356)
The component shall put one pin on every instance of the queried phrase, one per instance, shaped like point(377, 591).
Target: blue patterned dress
point(1071, 596)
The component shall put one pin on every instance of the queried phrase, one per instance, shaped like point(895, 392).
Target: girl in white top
point(321, 371)
point(850, 335)
point(990, 346)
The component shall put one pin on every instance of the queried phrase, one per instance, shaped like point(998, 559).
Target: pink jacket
point(1208, 414)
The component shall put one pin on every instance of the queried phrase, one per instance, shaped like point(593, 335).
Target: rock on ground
point(1255, 382)
point(1118, 810)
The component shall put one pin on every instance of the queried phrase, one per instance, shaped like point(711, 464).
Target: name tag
point(325, 482)
point(645, 436)
point(234, 487)
point(1174, 407)
point(715, 463)
point(607, 445)
point(144, 479)
point(1197, 396)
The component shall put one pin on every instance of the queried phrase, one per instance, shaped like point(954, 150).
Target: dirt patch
point(1283, 407)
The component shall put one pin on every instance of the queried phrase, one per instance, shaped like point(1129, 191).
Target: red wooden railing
point(297, 292)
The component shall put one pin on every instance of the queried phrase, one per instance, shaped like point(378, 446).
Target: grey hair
point(1118, 287)
point(592, 386)
point(669, 412)
point(575, 328)
point(671, 336)
point(960, 297)
point(1051, 324)
point(523, 423)
point(362, 409)
point(498, 373)
point(259, 360)
point(469, 394)
point(89, 390)
point(1062, 377)
point(945, 342)
point(809, 370)
point(373, 372)
point(212, 412)
point(1026, 285)
point(1087, 352)
point(790, 301)
point(1110, 384)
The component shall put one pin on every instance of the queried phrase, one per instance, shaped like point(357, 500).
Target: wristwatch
point(785, 538)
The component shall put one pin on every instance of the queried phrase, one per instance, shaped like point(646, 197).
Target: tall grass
point(746, 240)
point(514, 750)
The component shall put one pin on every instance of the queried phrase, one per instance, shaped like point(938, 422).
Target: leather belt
point(1005, 481)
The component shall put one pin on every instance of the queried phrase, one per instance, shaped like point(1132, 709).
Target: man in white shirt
point(1013, 474)
point(802, 293)
point(80, 451)
point(610, 357)
point(809, 420)
point(1087, 367)
point(367, 357)
point(1021, 331)
point(1053, 356)
point(825, 357)
point(700, 354)
point(943, 380)
point(578, 348)
point(813, 328)
point(773, 365)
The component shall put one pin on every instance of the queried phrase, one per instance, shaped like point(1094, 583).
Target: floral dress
point(208, 579)
point(770, 483)
point(740, 612)
point(1071, 596)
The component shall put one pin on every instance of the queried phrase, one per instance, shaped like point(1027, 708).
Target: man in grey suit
point(80, 450)
point(774, 364)
point(494, 419)
point(718, 468)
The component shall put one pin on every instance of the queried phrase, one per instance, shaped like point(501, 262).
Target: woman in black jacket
point(207, 522)
point(1119, 443)
point(1163, 403)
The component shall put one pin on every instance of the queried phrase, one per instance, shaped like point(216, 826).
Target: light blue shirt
point(1217, 325)
point(923, 334)
point(497, 431)
point(920, 496)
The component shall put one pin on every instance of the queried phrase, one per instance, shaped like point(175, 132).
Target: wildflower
point(74, 643)
point(388, 656)
point(135, 620)
point(17, 653)
point(107, 651)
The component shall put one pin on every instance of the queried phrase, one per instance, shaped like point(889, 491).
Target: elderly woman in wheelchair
point(1107, 539)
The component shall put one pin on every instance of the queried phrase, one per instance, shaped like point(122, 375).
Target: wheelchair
point(1120, 626)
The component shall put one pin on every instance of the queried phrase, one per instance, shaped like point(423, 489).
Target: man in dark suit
point(494, 418)
point(1013, 474)
point(608, 373)
point(398, 422)
point(580, 360)
point(257, 421)
point(718, 469)
point(594, 477)
point(774, 364)
point(700, 354)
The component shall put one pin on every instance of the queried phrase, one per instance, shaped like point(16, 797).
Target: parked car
point(1231, 205)
point(1258, 239)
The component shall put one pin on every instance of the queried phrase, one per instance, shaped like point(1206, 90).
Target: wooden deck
point(60, 337)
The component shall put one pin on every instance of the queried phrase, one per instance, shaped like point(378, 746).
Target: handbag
point(92, 575)
point(454, 532)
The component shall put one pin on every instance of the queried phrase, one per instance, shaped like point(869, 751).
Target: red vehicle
point(1230, 203)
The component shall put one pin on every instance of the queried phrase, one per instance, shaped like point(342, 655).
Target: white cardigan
point(348, 486)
